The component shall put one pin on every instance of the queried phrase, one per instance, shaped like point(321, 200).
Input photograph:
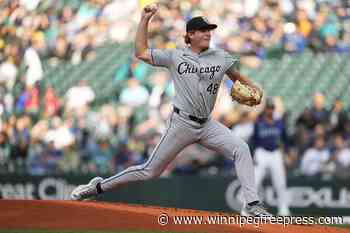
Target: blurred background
point(74, 101)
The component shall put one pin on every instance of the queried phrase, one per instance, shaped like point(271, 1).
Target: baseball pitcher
point(197, 72)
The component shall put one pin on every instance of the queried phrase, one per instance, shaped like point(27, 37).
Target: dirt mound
point(68, 215)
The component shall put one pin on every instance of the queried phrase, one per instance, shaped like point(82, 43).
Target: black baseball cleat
point(256, 210)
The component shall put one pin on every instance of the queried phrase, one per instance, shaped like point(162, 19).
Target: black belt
point(192, 118)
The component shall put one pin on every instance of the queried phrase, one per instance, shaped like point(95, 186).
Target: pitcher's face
point(200, 38)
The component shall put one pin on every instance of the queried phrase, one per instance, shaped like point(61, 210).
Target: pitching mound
point(68, 215)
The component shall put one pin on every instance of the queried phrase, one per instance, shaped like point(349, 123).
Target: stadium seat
point(294, 77)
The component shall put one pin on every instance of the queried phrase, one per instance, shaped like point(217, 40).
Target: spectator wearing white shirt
point(60, 134)
point(79, 96)
point(33, 63)
point(315, 158)
point(342, 152)
point(8, 73)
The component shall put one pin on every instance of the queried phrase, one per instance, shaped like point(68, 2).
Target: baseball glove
point(245, 94)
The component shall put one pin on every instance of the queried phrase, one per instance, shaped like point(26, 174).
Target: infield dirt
point(69, 215)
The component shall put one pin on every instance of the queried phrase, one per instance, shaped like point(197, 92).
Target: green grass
point(334, 225)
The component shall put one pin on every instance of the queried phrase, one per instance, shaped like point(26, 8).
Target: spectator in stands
point(319, 131)
point(101, 154)
point(66, 15)
point(83, 48)
point(338, 116)
point(59, 134)
point(8, 73)
point(52, 156)
point(32, 103)
point(4, 149)
point(52, 103)
point(303, 23)
point(19, 151)
point(125, 157)
point(315, 158)
point(329, 30)
point(293, 41)
point(139, 70)
point(344, 31)
point(20, 133)
point(6, 102)
point(79, 97)
point(319, 113)
point(341, 157)
point(33, 63)
point(62, 50)
point(21, 101)
point(304, 126)
point(315, 41)
point(305, 120)
point(134, 94)
point(69, 163)
point(36, 162)
point(346, 132)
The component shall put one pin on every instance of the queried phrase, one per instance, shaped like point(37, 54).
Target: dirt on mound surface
point(70, 215)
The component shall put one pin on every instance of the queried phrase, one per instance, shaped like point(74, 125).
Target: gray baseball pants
point(182, 132)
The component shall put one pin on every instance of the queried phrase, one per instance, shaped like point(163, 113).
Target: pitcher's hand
point(149, 10)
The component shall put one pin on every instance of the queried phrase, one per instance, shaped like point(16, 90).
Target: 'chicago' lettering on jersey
point(186, 68)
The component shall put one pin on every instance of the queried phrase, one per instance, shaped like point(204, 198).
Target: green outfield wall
point(307, 196)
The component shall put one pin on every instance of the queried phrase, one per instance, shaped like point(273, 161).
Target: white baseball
point(152, 7)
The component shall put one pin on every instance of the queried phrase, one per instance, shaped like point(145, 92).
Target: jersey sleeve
point(231, 62)
point(161, 57)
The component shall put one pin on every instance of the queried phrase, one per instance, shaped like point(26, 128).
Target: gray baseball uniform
point(196, 80)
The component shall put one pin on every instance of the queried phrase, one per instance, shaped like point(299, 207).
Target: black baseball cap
point(198, 23)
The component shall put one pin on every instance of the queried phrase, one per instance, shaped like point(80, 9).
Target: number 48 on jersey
point(213, 88)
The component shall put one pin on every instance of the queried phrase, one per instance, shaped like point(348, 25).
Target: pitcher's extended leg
point(172, 142)
point(175, 138)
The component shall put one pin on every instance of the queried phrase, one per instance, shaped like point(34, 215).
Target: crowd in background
point(260, 29)
point(43, 133)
